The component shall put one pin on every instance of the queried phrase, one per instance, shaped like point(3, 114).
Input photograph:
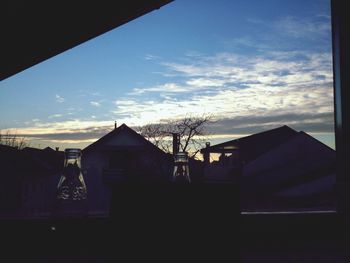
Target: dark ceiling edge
point(157, 4)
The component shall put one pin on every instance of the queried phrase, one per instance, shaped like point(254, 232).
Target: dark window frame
point(341, 85)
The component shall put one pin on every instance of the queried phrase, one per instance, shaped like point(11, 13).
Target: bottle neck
point(72, 161)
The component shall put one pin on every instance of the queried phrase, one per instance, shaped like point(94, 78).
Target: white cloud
point(167, 87)
point(258, 101)
point(205, 82)
point(230, 85)
point(304, 28)
point(59, 98)
point(121, 103)
point(95, 103)
point(55, 116)
point(150, 57)
point(69, 127)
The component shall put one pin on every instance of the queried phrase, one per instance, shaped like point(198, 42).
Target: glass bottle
point(71, 189)
point(181, 170)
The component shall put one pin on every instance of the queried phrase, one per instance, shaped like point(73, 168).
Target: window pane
point(253, 79)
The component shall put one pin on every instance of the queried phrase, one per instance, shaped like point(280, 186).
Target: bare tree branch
point(192, 131)
point(13, 140)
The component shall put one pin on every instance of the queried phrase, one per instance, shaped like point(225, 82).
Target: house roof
point(51, 159)
point(35, 30)
point(122, 129)
point(15, 163)
point(300, 160)
point(252, 146)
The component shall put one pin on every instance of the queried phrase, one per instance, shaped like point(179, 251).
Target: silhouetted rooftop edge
point(118, 130)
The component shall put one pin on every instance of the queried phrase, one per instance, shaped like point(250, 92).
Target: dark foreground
point(200, 224)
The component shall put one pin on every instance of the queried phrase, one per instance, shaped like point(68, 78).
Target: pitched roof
point(118, 131)
point(51, 159)
point(252, 146)
point(301, 160)
point(16, 164)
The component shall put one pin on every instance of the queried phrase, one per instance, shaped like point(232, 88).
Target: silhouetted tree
point(13, 140)
point(156, 133)
point(192, 131)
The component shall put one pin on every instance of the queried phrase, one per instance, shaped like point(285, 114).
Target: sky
point(252, 65)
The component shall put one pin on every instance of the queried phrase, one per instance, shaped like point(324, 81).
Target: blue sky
point(253, 65)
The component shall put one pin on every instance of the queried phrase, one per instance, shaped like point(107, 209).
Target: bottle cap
point(72, 152)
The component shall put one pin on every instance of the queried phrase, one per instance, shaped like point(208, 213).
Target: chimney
point(57, 149)
point(206, 154)
point(176, 143)
point(115, 125)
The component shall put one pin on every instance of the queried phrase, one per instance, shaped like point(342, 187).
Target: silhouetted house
point(39, 190)
point(276, 169)
point(122, 155)
point(28, 181)
point(299, 173)
point(52, 159)
point(236, 153)
point(14, 167)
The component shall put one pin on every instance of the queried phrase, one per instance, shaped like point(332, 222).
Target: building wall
point(147, 167)
point(124, 139)
point(98, 192)
point(38, 195)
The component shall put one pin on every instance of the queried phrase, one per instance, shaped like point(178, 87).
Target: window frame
point(341, 80)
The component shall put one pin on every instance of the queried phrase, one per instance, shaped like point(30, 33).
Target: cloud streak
point(55, 116)
point(59, 98)
point(304, 28)
point(231, 86)
point(95, 103)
